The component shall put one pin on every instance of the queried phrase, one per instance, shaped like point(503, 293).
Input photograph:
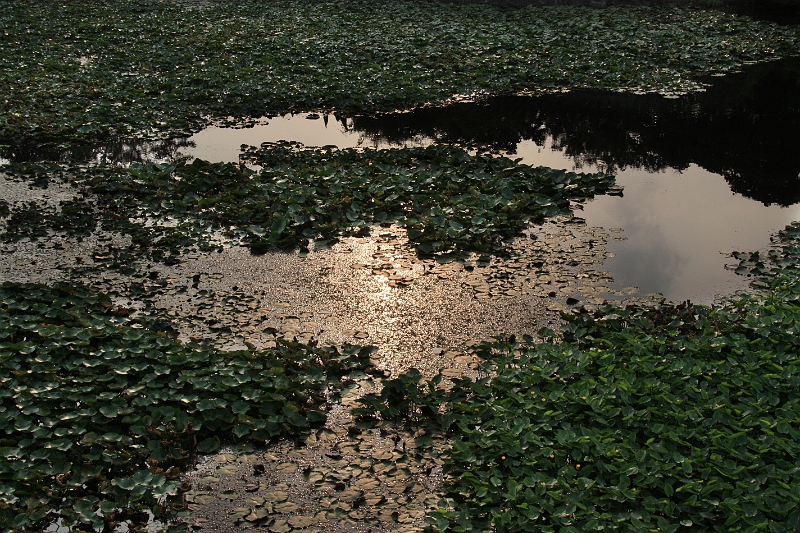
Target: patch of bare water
point(678, 226)
point(217, 143)
point(676, 229)
point(680, 231)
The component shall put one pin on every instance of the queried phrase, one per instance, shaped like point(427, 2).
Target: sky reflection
point(679, 227)
point(223, 144)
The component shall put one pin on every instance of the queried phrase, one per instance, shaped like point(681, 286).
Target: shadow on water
point(745, 127)
point(779, 11)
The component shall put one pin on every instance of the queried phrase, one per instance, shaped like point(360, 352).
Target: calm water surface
point(704, 175)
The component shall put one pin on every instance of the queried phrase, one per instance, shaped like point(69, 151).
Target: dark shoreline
point(778, 11)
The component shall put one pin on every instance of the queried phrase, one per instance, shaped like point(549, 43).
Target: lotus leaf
point(448, 199)
point(91, 69)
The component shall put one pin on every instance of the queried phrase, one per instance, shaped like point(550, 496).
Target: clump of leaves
point(97, 414)
point(693, 426)
point(82, 70)
point(448, 199)
point(408, 397)
point(672, 418)
point(782, 259)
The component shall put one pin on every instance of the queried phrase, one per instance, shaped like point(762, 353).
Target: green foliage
point(447, 199)
point(83, 70)
point(696, 430)
point(99, 414)
point(675, 418)
point(407, 397)
point(781, 261)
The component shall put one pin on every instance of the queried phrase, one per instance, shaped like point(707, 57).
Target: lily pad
point(302, 521)
point(257, 514)
point(383, 455)
point(276, 496)
point(285, 507)
point(280, 526)
point(366, 483)
point(350, 495)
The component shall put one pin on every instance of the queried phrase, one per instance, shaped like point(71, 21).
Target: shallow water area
point(223, 144)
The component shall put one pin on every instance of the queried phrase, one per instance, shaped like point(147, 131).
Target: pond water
point(704, 175)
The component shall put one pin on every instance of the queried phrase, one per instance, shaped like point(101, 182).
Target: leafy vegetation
point(675, 418)
point(781, 260)
point(448, 199)
point(82, 70)
point(98, 412)
point(637, 419)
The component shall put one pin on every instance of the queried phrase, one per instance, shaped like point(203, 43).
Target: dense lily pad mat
point(97, 414)
point(677, 418)
point(86, 69)
point(448, 199)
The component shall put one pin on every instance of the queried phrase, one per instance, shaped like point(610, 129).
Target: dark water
point(746, 128)
point(778, 11)
point(704, 174)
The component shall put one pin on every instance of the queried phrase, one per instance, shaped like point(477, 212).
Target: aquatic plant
point(98, 411)
point(673, 418)
point(448, 199)
point(84, 70)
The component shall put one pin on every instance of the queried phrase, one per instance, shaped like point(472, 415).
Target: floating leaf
point(285, 507)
